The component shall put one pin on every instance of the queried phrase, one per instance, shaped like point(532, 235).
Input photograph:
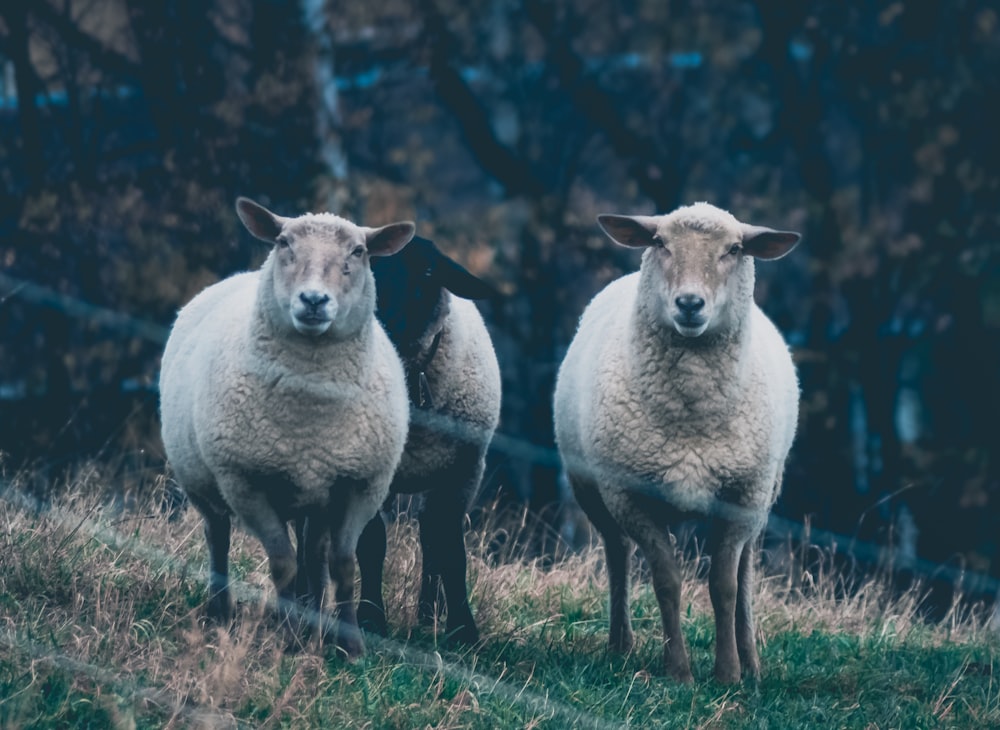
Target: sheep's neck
point(690, 376)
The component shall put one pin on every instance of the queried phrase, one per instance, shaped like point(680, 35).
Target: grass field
point(101, 627)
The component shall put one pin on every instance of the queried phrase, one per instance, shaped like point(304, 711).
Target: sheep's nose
point(689, 303)
point(313, 298)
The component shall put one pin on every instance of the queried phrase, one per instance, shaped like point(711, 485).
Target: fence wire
point(777, 528)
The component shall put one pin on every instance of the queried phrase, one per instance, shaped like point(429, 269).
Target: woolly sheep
point(282, 398)
point(678, 399)
point(454, 388)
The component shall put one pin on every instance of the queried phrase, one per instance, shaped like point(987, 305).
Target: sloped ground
point(101, 626)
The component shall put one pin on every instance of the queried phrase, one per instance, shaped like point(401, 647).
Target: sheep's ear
point(456, 279)
point(390, 239)
point(634, 231)
point(261, 222)
point(767, 243)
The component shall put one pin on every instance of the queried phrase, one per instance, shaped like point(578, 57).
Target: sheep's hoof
point(371, 619)
point(679, 671)
point(349, 642)
point(621, 642)
point(220, 609)
point(727, 674)
point(351, 646)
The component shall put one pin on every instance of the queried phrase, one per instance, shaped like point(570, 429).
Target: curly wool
point(291, 415)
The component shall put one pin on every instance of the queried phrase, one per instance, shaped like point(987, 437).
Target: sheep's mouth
point(311, 323)
point(691, 326)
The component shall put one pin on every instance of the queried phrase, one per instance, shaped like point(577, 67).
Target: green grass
point(101, 626)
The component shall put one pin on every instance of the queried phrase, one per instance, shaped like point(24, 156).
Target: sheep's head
point(703, 258)
point(320, 266)
point(411, 300)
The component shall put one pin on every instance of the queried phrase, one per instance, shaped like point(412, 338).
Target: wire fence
point(133, 688)
point(777, 528)
point(137, 689)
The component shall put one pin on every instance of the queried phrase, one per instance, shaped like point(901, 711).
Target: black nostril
point(314, 298)
point(689, 303)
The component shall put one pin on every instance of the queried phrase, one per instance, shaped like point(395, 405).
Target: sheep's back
point(464, 379)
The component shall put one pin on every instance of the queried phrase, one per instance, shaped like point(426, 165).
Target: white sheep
point(454, 387)
point(678, 399)
point(282, 398)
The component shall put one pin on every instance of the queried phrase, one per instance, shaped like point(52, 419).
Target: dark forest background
point(128, 127)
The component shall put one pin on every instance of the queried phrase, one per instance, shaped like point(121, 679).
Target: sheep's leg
point(746, 644)
point(442, 543)
point(722, 588)
point(315, 551)
point(301, 574)
point(616, 552)
point(656, 546)
point(217, 533)
point(371, 559)
point(263, 522)
point(347, 519)
point(646, 522)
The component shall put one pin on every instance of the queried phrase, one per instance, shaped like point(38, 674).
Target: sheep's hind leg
point(371, 560)
point(217, 533)
point(315, 552)
point(617, 553)
point(442, 543)
point(722, 588)
point(746, 644)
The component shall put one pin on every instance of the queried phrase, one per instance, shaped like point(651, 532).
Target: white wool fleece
point(251, 400)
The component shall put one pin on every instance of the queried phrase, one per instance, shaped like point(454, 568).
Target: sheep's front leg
point(746, 640)
point(217, 533)
point(349, 513)
point(654, 540)
point(722, 588)
point(371, 559)
point(264, 523)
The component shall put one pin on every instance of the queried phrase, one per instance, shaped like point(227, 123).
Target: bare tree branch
point(511, 171)
point(105, 58)
point(661, 183)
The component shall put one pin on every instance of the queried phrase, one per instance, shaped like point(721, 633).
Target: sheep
point(454, 388)
point(282, 398)
point(677, 400)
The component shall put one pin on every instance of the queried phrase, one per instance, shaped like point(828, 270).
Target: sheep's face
point(701, 256)
point(411, 300)
point(320, 271)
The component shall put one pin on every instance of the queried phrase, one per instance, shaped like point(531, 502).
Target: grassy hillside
point(100, 626)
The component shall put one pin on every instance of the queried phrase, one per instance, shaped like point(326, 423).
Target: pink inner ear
point(390, 239)
point(768, 244)
point(261, 222)
point(628, 230)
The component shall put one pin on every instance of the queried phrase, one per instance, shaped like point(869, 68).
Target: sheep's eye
point(282, 241)
point(358, 251)
point(657, 241)
point(735, 249)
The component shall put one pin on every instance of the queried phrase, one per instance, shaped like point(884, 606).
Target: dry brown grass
point(112, 597)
